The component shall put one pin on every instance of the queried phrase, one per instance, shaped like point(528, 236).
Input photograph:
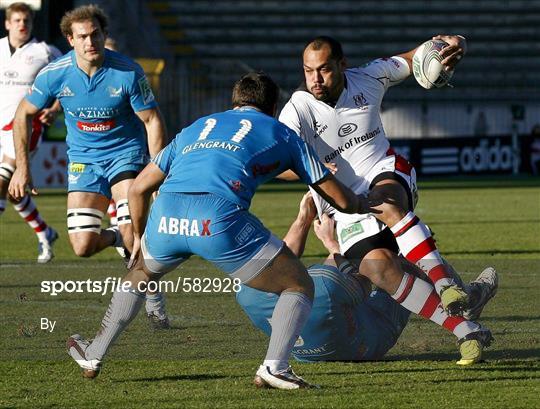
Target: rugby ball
point(427, 67)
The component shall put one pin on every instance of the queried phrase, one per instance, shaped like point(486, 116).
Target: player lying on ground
point(112, 122)
point(207, 177)
point(337, 111)
point(21, 57)
point(347, 322)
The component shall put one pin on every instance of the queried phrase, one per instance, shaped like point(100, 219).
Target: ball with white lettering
point(427, 67)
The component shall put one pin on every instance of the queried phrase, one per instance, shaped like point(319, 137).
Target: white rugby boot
point(45, 248)
point(76, 347)
point(284, 379)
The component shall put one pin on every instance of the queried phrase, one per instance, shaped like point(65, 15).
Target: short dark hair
point(19, 7)
point(83, 13)
point(336, 51)
point(256, 89)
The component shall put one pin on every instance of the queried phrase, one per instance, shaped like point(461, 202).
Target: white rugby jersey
point(18, 71)
point(351, 134)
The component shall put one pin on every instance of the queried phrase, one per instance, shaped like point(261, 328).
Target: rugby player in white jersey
point(337, 111)
point(21, 58)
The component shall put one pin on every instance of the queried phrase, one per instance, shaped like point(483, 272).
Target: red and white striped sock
point(420, 297)
point(111, 211)
point(416, 245)
point(28, 211)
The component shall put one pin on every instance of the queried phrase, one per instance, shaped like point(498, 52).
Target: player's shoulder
point(121, 62)
point(302, 96)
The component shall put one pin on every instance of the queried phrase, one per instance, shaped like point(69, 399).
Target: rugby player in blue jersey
point(207, 177)
point(112, 121)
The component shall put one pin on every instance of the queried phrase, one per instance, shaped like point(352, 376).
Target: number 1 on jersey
point(237, 137)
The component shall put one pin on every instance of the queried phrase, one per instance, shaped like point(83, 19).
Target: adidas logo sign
point(66, 92)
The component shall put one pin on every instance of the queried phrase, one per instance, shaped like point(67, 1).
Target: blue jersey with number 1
point(99, 110)
point(230, 153)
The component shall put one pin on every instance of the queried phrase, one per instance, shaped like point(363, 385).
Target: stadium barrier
point(431, 157)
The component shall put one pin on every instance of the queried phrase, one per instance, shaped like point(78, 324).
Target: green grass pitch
point(210, 356)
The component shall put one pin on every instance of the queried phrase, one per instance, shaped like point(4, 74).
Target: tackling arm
point(22, 126)
point(343, 198)
point(155, 129)
point(297, 235)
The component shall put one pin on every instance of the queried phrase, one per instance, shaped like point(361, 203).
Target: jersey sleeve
point(141, 95)
point(41, 94)
point(165, 157)
point(388, 71)
point(289, 117)
point(305, 162)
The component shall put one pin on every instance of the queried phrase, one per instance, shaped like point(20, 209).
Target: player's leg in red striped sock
point(28, 211)
point(416, 245)
point(420, 297)
point(415, 242)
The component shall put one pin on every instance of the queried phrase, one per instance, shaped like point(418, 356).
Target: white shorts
point(351, 228)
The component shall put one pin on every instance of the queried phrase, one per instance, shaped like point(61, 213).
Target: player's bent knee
point(84, 246)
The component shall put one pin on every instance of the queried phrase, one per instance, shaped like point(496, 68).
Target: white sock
point(123, 308)
point(290, 314)
point(155, 303)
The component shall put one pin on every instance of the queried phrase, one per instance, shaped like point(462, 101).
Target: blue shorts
point(99, 177)
point(182, 224)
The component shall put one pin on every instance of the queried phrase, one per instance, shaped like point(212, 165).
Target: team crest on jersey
point(29, 59)
point(115, 92)
point(360, 101)
point(66, 92)
point(146, 90)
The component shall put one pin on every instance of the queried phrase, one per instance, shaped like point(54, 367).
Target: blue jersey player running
point(208, 175)
point(112, 121)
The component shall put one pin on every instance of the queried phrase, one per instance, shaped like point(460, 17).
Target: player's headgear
point(256, 89)
point(336, 51)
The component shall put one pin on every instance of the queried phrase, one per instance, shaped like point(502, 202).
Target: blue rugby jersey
point(99, 110)
point(231, 153)
point(342, 326)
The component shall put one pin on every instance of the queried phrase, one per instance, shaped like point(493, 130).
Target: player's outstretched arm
point(139, 195)
point(451, 54)
point(343, 198)
point(22, 126)
point(155, 129)
point(297, 235)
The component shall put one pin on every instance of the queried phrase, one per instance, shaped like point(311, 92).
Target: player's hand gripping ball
point(427, 67)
